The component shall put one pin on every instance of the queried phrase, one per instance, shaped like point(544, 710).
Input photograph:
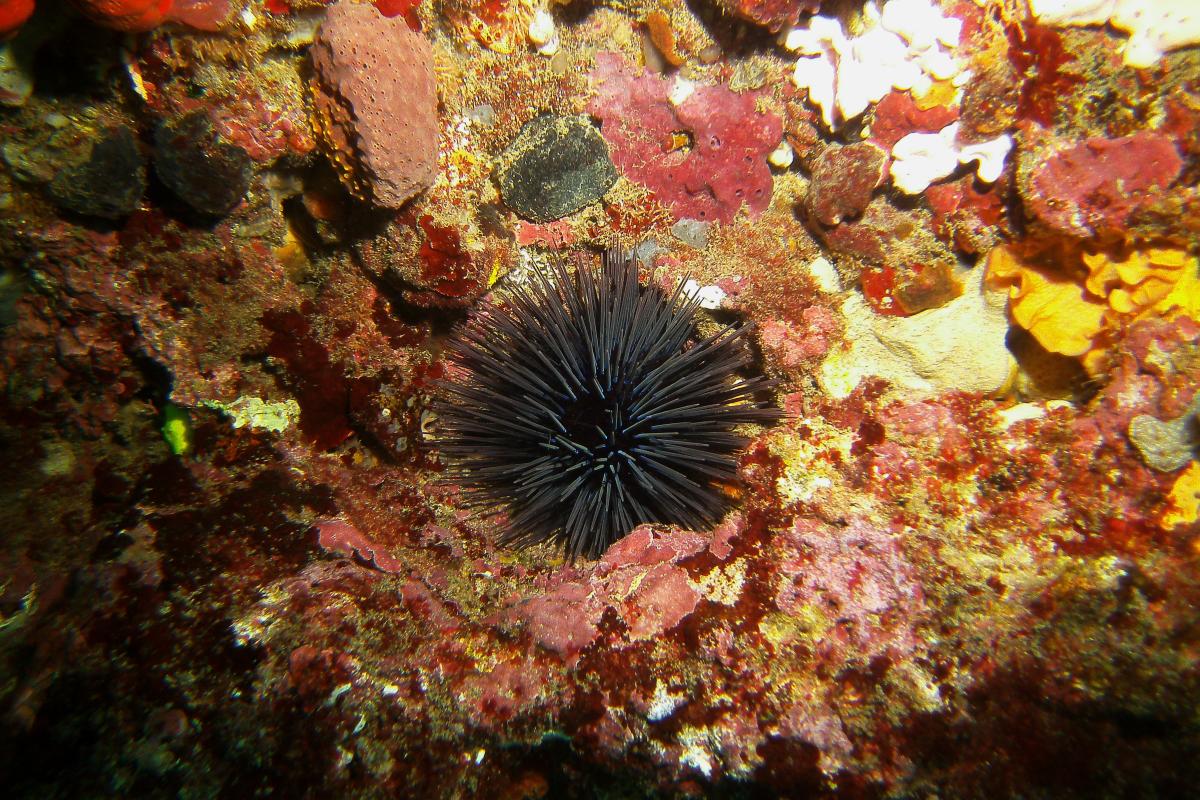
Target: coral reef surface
point(238, 239)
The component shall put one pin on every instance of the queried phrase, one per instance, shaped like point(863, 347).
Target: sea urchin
point(590, 404)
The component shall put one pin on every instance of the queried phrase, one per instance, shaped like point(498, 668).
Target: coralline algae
point(721, 162)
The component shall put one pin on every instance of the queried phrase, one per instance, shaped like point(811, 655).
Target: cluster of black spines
point(589, 404)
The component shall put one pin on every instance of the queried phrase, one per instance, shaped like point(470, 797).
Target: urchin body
point(589, 405)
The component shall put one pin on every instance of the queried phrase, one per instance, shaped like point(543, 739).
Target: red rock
point(1183, 124)
point(879, 286)
point(203, 15)
point(339, 536)
point(315, 673)
point(894, 465)
point(1092, 187)
point(883, 234)
point(1041, 58)
point(644, 546)
point(13, 15)
point(551, 234)
point(931, 427)
point(126, 15)
point(862, 239)
point(925, 286)
point(505, 689)
point(564, 620)
point(401, 8)
point(793, 346)
point(724, 535)
point(859, 577)
point(422, 601)
point(772, 14)
point(376, 103)
point(264, 131)
point(972, 220)
point(327, 396)
point(637, 578)
point(662, 599)
point(897, 115)
point(446, 267)
point(843, 180)
point(815, 722)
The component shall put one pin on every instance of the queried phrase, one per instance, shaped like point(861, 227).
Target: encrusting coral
point(723, 166)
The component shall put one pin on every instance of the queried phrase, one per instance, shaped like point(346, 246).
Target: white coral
point(919, 159)
point(906, 47)
point(543, 34)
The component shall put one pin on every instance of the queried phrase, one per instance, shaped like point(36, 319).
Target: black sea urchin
point(590, 405)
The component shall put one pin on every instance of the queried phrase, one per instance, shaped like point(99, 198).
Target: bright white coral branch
point(906, 47)
point(543, 33)
point(919, 159)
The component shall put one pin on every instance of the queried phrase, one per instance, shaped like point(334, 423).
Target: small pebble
point(1170, 445)
point(110, 184)
point(206, 172)
point(692, 232)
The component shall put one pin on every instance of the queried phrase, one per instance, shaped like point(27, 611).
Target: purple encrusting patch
point(726, 164)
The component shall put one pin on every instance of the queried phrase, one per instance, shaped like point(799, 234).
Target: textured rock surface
point(126, 15)
point(109, 184)
point(923, 591)
point(204, 171)
point(843, 180)
point(555, 166)
point(773, 14)
point(958, 346)
point(1092, 187)
point(376, 103)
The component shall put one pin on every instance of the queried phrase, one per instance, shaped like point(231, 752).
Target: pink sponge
point(376, 103)
point(729, 139)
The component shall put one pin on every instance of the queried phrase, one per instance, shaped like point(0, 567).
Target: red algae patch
point(1093, 187)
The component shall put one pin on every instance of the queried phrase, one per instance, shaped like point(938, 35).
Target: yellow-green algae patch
point(258, 414)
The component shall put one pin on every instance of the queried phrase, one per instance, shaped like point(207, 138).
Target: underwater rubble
point(237, 234)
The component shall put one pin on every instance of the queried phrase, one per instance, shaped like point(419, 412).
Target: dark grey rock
point(555, 166)
point(109, 184)
point(201, 169)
